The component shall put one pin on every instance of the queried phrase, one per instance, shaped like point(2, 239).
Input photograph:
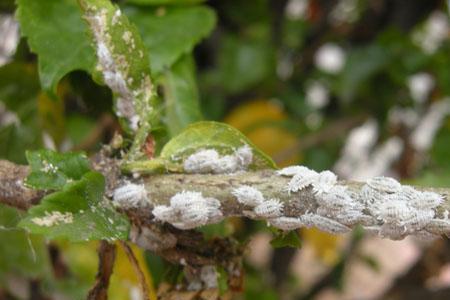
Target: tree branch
point(283, 204)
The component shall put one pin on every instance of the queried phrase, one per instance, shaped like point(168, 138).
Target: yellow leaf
point(260, 121)
point(326, 246)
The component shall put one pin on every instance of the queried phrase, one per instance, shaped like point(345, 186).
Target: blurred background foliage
point(358, 86)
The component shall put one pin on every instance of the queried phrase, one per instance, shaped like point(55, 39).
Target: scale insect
point(130, 195)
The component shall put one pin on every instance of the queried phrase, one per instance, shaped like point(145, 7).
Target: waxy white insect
point(286, 223)
point(329, 225)
point(248, 195)
point(427, 200)
point(164, 213)
point(209, 161)
point(324, 182)
point(271, 208)
point(130, 195)
point(384, 184)
point(188, 210)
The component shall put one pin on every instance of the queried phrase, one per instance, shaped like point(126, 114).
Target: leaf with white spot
point(78, 212)
point(53, 170)
point(200, 136)
point(122, 61)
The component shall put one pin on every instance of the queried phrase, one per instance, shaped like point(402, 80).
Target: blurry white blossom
point(423, 135)
point(433, 33)
point(345, 11)
point(330, 58)
point(9, 37)
point(420, 86)
point(317, 95)
point(403, 116)
point(296, 9)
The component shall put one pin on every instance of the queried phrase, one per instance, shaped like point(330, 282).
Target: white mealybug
point(410, 193)
point(248, 195)
point(244, 156)
point(351, 217)
point(324, 182)
point(295, 170)
point(195, 216)
point(369, 196)
point(286, 223)
point(214, 215)
point(394, 211)
point(338, 197)
point(329, 225)
point(384, 184)
point(226, 164)
point(271, 208)
point(299, 182)
point(427, 200)
point(185, 199)
point(419, 219)
point(130, 195)
point(202, 161)
point(164, 213)
point(308, 219)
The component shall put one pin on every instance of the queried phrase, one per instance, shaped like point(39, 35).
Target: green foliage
point(181, 95)
point(162, 2)
point(170, 32)
point(122, 61)
point(19, 87)
point(286, 239)
point(79, 212)
point(198, 136)
point(52, 171)
point(21, 253)
point(57, 34)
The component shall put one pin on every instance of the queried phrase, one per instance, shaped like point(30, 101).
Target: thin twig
point(147, 294)
point(106, 257)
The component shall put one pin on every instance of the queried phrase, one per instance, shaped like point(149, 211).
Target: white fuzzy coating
point(244, 156)
point(286, 223)
point(395, 211)
point(337, 197)
point(181, 201)
point(294, 170)
point(164, 213)
point(324, 182)
point(300, 182)
point(188, 210)
point(53, 218)
point(384, 184)
point(209, 161)
point(329, 225)
point(419, 219)
point(248, 195)
point(130, 195)
point(427, 200)
point(201, 162)
point(271, 208)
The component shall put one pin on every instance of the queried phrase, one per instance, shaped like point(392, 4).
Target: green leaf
point(164, 2)
point(289, 239)
point(78, 213)
point(53, 170)
point(123, 63)
point(20, 254)
point(181, 95)
point(57, 34)
point(361, 65)
point(171, 32)
point(198, 136)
